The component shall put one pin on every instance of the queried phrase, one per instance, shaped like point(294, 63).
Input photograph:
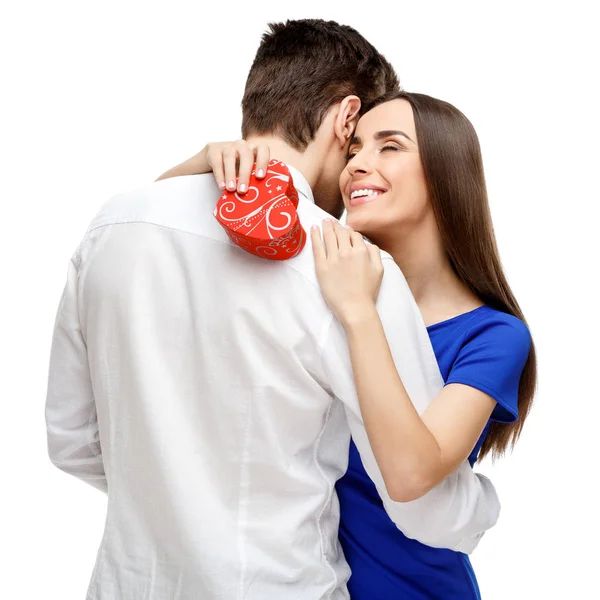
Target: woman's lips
point(364, 199)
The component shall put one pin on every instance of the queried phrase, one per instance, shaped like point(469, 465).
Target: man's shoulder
point(310, 214)
point(177, 202)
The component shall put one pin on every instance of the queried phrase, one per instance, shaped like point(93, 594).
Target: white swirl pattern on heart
point(255, 217)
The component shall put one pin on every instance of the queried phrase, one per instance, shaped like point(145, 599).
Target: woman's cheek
point(343, 181)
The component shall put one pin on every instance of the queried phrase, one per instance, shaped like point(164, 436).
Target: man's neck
point(306, 162)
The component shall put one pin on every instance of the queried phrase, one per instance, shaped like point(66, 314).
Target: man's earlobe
point(348, 133)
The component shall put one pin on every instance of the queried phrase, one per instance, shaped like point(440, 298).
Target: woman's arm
point(228, 161)
point(195, 165)
point(414, 453)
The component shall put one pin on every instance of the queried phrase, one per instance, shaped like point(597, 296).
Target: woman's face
point(383, 185)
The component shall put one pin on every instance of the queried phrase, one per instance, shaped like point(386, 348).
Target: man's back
point(197, 383)
point(217, 435)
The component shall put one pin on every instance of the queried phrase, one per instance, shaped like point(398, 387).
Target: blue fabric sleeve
point(491, 359)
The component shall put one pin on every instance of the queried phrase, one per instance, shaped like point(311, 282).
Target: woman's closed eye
point(393, 148)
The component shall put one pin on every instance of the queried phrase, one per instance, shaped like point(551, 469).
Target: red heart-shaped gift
point(264, 221)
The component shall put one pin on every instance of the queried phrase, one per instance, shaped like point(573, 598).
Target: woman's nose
point(357, 166)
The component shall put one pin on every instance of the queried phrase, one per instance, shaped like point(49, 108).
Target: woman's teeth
point(366, 193)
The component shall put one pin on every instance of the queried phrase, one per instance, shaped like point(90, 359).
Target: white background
point(105, 96)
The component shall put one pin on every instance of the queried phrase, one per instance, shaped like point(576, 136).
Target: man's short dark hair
point(304, 67)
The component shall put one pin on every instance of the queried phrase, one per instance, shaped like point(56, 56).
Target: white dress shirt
point(210, 393)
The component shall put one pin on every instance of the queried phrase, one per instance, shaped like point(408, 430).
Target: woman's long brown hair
point(453, 167)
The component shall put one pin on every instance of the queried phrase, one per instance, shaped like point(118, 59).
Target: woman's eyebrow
point(390, 132)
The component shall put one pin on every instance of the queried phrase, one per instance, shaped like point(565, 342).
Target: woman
point(414, 185)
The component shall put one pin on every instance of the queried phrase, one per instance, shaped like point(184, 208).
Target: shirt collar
point(301, 184)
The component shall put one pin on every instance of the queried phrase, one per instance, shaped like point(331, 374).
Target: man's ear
point(347, 118)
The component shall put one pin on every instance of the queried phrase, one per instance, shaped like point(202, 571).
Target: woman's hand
point(226, 160)
point(348, 269)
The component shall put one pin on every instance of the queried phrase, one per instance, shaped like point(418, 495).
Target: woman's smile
point(361, 193)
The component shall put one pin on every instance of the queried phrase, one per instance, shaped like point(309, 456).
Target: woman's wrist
point(357, 316)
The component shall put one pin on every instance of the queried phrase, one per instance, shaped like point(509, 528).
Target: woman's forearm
point(192, 166)
point(407, 453)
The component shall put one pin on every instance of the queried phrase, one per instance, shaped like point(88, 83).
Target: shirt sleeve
point(71, 419)
point(492, 360)
point(457, 512)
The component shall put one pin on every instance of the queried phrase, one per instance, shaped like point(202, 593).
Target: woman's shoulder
point(491, 358)
point(493, 325)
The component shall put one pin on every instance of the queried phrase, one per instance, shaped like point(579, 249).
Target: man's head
point(303, 87)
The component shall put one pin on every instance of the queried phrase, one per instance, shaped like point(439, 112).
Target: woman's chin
point(357, 223)
point(368, 229)
point(351, 219)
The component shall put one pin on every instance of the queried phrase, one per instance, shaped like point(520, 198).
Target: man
point(210, 392)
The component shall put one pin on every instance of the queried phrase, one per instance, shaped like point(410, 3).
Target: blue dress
point(485, 349)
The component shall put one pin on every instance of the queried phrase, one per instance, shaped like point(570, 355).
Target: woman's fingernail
point(243, 188)
point(231, 185)
point(315, 227)
point(260, 173)
point(222, 185)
